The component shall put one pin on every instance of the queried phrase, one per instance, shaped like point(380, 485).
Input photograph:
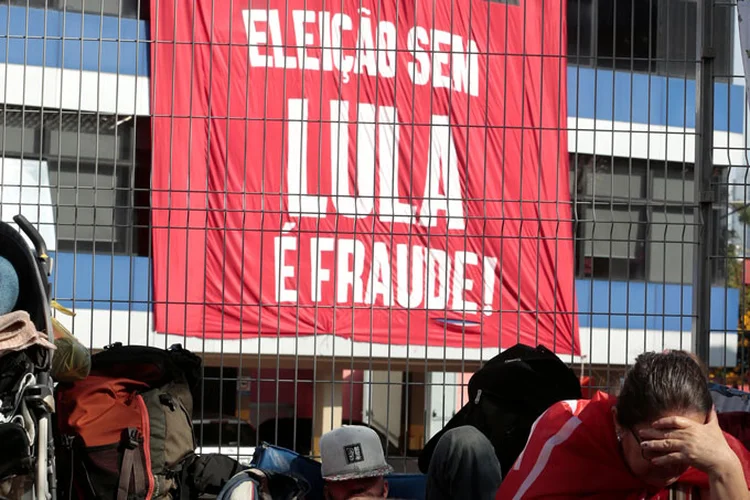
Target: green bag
point(71, 361)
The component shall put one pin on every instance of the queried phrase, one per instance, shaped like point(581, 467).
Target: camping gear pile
point(124, 416)
point(126, 430)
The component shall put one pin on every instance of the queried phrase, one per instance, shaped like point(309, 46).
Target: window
point(613, 34)
point(673, 184)
point(93, 207)
point(91, 171)
point(34, 4)
point(613, 241)
point(603, 178)
point(580, 32)
point(121, 8)
point(626, 29)
point(75, 141)
point(635, 219)
point(117, 8)
point(677, 44)
point(19, 140)
point(645, 35)
point(98, 178)
point(617, 180)
point(671, 244)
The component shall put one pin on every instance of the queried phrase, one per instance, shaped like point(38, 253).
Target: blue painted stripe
point(45, 37)
point(122, 283)
point(648, 99)
point(112, 45)
point(652, 306)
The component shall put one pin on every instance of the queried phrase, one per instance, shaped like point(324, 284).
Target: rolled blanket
point(17, 332)
point(72, 361)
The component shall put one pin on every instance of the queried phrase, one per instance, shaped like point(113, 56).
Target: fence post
point(704, 176)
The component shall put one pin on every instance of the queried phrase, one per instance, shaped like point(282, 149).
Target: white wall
point(100, 327)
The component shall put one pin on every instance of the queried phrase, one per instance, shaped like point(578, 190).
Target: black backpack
point(507, 395)
point(207, 475)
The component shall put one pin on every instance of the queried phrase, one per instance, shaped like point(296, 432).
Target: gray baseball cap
point(352, 452)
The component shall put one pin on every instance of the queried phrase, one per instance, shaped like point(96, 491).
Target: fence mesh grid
point(79, 148)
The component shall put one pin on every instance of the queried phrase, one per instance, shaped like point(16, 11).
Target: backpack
point(126, 430)
point(207, 475)
point(727, 399)
point(507, 395)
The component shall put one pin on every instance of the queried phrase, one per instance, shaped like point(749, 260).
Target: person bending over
point(661, 432)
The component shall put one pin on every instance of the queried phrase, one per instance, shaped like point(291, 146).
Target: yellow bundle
point(71, 361)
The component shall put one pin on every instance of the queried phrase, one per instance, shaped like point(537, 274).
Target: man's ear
point(385, 489)
point(614, 419)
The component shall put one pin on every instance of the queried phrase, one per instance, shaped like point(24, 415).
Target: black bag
point(15, 453)
point(13, 367)
point(152, 365)
point(207, 475)
point(507, 395)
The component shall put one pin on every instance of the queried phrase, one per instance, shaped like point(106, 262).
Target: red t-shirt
point(736, 423)
point(572, 452)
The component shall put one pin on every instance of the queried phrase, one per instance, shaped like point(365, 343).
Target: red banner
point(391, 172)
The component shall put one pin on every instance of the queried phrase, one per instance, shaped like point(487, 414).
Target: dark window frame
point(123, 230)
point(134, 9)
point(590, 37)
point(593, 266)
point(131, 167)
point(645, 205)
point(685, 246)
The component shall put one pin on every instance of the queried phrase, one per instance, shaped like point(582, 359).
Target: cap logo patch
point(354, 453)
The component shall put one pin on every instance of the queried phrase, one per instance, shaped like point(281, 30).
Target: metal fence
point(658, 200)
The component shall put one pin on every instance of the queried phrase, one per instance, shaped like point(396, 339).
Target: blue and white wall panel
point(74, 61)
